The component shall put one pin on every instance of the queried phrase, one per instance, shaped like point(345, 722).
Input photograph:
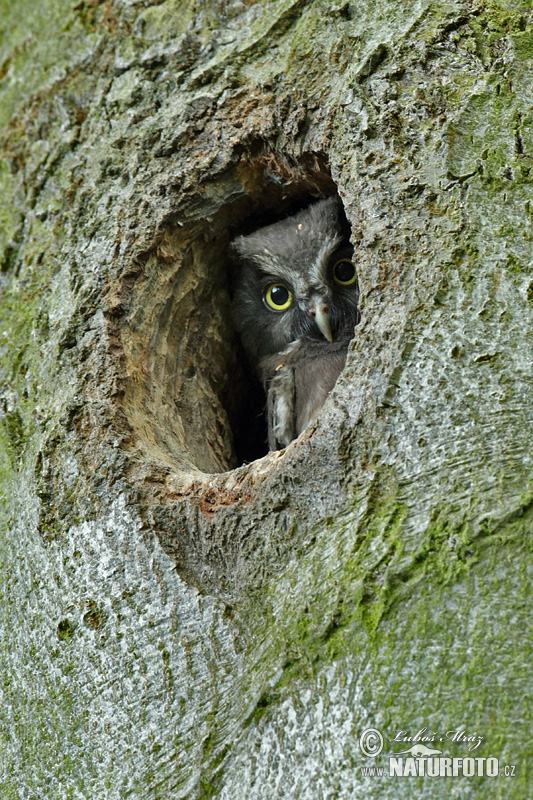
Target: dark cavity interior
point(191, 397)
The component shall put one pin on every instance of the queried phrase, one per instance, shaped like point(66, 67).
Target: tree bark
point(177, 623)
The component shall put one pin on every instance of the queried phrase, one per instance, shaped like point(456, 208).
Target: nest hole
point(191, 397)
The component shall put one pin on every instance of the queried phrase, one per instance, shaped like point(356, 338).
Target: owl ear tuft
point(247, 247)
point(241, 247)
point(237, 244)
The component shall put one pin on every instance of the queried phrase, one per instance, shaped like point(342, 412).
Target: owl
point(295, 306)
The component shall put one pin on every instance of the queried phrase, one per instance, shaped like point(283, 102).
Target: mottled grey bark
point(174, 626)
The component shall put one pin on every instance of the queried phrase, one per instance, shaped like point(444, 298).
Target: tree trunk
point(182, 619)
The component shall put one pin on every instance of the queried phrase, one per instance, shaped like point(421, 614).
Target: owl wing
point(297, 383)
point(314, 378)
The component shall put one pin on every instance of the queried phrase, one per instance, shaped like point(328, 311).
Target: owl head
point(297, 282)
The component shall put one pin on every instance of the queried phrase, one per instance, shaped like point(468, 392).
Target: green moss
point(14, 434)
point(362, 595)
point(207, 789)
point(514, 265)
point(357, 588)
point(450, 637)
point(95, 617)
point(523, 45)
point(496, 19)
point(9, 219)
point(167, 20)
point(32, 51)
point(209, 784)
point(65, 630)
point(18, 350)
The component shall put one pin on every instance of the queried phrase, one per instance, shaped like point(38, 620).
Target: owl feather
point(295, 307)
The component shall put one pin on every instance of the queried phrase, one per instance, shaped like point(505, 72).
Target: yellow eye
point(344, 272)
point(278, 297)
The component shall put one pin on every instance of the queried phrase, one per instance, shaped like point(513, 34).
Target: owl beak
point(319, 311)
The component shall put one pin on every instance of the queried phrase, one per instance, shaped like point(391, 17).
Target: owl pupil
point(344, 271)
point(279, 295)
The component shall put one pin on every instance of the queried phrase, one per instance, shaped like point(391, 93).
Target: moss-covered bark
point(173, 627)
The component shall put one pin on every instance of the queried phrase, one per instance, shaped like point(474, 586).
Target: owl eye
point(344, 272)
point(278, 297)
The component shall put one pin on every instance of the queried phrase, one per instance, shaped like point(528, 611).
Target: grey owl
point(295, 307)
